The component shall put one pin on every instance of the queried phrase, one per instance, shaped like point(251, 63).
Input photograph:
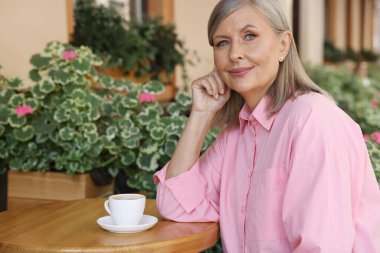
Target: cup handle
point(107, 207)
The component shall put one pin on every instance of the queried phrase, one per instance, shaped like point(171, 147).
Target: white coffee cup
point(125, 209)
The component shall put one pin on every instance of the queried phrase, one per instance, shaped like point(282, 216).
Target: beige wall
point(27, 25)
point(287, 6)
point(368, 25)
point(191, 19)
point(25, 28)
point(311, 31)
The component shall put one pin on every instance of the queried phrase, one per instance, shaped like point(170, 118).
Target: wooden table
point(70, 226)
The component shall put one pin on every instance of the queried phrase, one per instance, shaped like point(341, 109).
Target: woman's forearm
point(190, 144)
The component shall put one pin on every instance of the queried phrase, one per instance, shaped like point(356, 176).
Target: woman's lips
point(239, 72)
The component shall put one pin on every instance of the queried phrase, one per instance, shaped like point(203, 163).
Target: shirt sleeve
point(193, 196)
point(331, 197)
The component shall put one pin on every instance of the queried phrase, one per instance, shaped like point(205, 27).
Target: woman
point(290, 172)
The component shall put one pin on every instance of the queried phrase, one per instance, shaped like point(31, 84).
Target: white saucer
point(147, 221)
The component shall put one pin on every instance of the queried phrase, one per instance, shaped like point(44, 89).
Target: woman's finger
point(220, 83)
point(211, 83)
point(214, 86)
point(203, 84)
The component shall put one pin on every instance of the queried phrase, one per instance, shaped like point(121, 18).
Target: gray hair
point(291, 79)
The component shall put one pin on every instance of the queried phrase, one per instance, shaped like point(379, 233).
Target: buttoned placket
point(252, 129)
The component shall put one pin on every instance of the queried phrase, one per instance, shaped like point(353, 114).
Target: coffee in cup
point(125, 209)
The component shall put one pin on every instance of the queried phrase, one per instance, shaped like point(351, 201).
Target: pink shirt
point(298, 181)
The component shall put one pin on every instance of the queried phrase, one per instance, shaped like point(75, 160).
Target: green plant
point(369, 55)
point(159, 43)
point(141, 48)
point(352, 55)
point(3, 80)
point(53, 123)
point(64, 124)
point(142, 136)
point(331, 53)
point(374, 71)
point(100, 28)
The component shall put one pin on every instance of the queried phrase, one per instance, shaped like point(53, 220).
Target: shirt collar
point(259, 115)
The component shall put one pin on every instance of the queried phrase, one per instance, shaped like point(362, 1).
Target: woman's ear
point(286, 41)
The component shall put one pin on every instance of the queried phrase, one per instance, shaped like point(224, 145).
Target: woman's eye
point(249, 36)
point(222, 43)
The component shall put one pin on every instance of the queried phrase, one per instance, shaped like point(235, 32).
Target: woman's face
point(247, 53)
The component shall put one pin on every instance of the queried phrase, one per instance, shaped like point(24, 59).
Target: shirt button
point(242, 209)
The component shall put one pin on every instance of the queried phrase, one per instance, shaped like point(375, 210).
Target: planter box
point(53, 186)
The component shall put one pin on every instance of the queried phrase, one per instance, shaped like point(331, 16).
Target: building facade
point(348, 24)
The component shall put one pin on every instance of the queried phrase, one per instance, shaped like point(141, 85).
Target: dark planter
point(3, 191)
point(121, 186)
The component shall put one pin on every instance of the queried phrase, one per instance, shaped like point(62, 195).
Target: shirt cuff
point(189, 188)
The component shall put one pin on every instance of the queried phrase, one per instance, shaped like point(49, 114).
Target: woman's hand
point(209, 93)
point(209, 96)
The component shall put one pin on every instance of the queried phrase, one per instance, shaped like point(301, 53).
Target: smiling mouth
point(240, 72)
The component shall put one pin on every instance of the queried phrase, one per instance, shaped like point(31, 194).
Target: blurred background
point(324, 30)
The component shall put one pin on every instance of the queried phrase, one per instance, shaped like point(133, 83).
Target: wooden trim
point(70, 19)
point(373, 15)
point(162, 8)
point(372, 25)
point(362, 23)
point(331, 21)
point(367, 21)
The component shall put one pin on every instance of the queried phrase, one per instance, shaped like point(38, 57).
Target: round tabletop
point(71, 226)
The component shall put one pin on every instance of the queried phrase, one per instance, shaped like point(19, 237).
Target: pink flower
point(374, 104)
point(376, 136)
point(23, 110)
point(146, 97)
point(366, 137)
point(69, 55)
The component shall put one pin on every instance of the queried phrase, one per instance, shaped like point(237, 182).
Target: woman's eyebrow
point(248, 26)
point(220, 37)
point(242, 29)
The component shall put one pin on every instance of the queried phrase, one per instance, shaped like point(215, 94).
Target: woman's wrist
point(190, 144)
point(203, 118)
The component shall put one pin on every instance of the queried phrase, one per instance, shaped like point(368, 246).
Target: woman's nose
point(236, 52)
